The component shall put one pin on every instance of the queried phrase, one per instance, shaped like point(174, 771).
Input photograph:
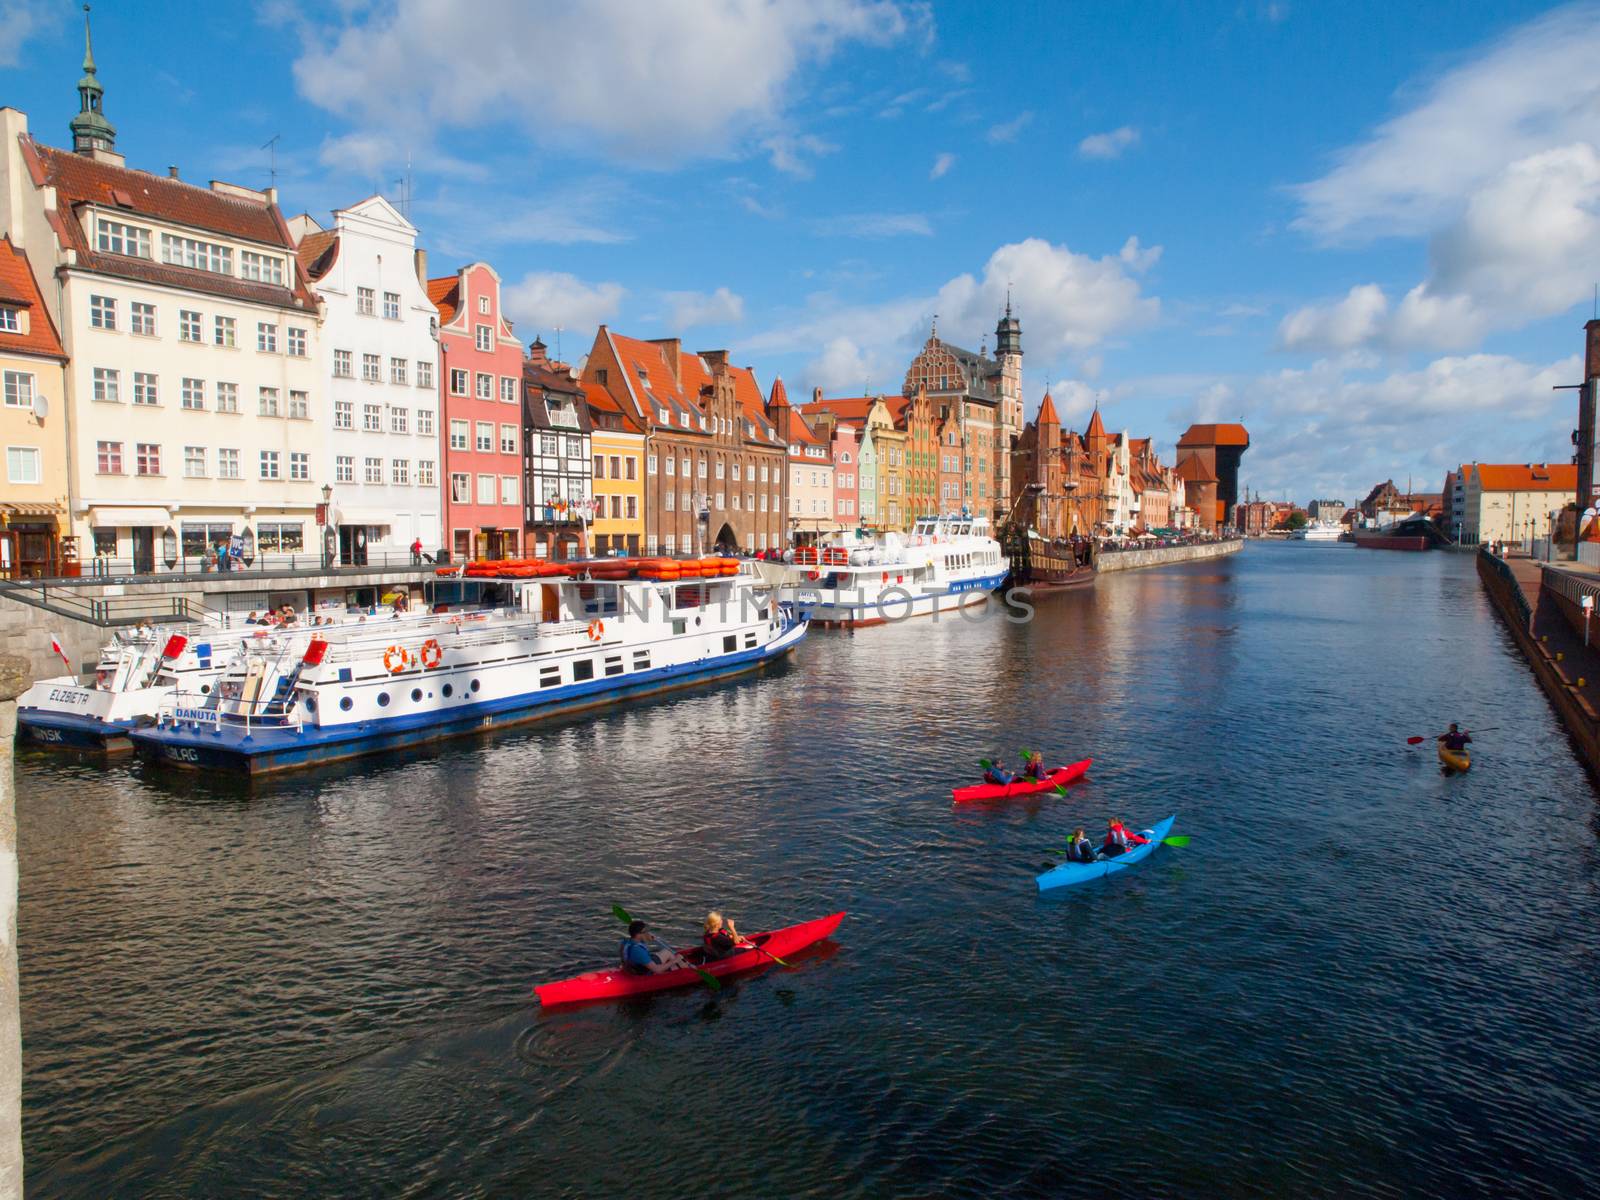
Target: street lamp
point(325, 520)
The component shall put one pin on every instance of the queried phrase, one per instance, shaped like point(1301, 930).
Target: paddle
point(746, 944)
point(706, 977)
point(1177, 839)
point(1417, 741)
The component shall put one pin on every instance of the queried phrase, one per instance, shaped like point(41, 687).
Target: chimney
point(172, 171)
point(536, 353)
point(672, 348)
point(715, 359)
point(421, 258)
point(816, 395)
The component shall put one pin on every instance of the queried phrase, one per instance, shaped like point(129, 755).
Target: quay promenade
point(1161, 556)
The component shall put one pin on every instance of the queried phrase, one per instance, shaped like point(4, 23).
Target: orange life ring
point(597, 630)
point(430, 654)
point(813, 574)
point(395, 659)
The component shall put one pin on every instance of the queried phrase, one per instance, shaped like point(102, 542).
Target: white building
point(1513, 502)
point(193, 380)
point(379, 362)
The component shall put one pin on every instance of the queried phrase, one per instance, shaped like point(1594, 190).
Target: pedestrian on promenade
point(416, 551)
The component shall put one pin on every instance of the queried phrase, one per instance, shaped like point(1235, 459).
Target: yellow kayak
point(1455, 761)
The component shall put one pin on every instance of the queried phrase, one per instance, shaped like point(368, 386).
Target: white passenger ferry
point(944, 562)
point(560, 643)
point(1317, 531)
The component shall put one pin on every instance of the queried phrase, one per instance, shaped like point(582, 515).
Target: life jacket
point(719, 944)
point(998, 776)
point(622, 958)
point(1117, 836)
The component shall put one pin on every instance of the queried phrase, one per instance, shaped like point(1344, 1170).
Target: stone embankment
point(1160, 556)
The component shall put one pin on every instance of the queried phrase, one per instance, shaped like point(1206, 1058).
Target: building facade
point(810, 467)
point(480, 377)
point(1219, 447)
point(557, 440)
point(619, 454)
point(378, 403)
point(1513, 502)
point(35, 537)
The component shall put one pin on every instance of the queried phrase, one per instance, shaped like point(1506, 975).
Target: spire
point(90, 129)
point(1008, 333)
point(1047, 412)
point(779, 396)
point(1097, 427)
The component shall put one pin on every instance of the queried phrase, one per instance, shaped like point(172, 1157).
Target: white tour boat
point(1317, 531)
point(943, 563)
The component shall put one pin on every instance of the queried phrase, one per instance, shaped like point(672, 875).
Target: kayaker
point(1080, 848)
point(639, 959)
point(1119, 838)
point(996, 774)
point(720, 939)
point(1455, 741)
point(1033, 768)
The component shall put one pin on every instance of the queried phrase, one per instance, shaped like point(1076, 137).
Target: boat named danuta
point(943, 563)
point(565, 637)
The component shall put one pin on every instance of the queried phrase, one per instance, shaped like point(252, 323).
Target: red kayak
point(613, 982)
point(1060, 777)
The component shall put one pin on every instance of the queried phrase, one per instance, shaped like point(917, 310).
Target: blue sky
point(1371, 231)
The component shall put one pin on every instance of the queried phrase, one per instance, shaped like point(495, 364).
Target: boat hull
point(1454, 761)
point(1383, 541)
point(1060, 777)
point(615, 984)
point(75, 731)
point(266, 750)
point(1072, 874)
point(842, 608)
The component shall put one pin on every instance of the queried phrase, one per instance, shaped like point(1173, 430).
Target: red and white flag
point(55, 644)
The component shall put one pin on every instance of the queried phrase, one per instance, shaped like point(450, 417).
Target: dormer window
point(10, 320)
point(113, 237)
point(191, 252)
point(262, 268)
point(666, 417)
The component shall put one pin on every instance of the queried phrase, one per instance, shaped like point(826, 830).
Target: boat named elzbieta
point(943, 563)
point(566, 637)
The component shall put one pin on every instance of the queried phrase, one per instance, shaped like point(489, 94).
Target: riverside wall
point(1161, 556)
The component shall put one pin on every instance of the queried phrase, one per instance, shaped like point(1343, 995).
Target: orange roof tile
point(1214, 435)
point(19, 289)
point(317, 252)
point(681, 397)
point(598, 398)
point(847, 408)
point(1047, 412)
point(1527, 477)
point(445, 295)
point(1191, 470)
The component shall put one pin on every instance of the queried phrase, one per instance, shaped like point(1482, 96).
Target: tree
point(1297, 520)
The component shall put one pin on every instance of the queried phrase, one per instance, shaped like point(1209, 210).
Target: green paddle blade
point(1060, 791)
point(621, 914)
point(985, 763)
point(710, 980)
point(1181, 840)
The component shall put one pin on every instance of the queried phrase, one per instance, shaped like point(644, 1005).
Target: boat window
point(345, 703)
point(583, 669)
point(549, 676)
point(641, 660)
point(311, 704)
point(416, 695)
point(689, 595)
point(679, 626)
point(474, 685)
point(730, 644)
point(614, 665)
point(749, 641)
point(383, 699)
point(447, 690)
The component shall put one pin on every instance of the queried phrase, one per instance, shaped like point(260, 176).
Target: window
point(299, 406)
point(424, 374)
point(223, 332)
point(650, 465)
point(485, 440)
point(400, 470)
point(266, 337)
point(19, 389)
point(188, 325)
point(399, 420)
point(508, 439)
point(146, 458)
point(485, 489)
point(142, 318)
point(227, 397)
point(372, 418)
point(460, 488)
point(397, 370)
point(599, 467)
point(193, 393)
point(364, 301)
point(485, 386)
point(484, 336)
point(344, 468)
point(458, 435)
point(719, 468)
point(190, 252)
point(633, 507)
point(144, 389)
point(297, 341)
point(616, 508)
point(108, 458)
point(483, 305)
point(261, 268)
point(113, 237)
point(372, 470)
point(508, 489)
point(424, 472)
point(269, 464)
point(299, 465)
point(269, 402)
point(549, 445)
point(458, 382)
point(342, 368)
point(369, 367)
point(22, 464)
point(508, 389)
point(102, 312)
point(284, 539)
point(194, 462)
point(574, 446)
point(425, 421)
point(227, 464)
point(686, 468)
point(600, 376)
point(10, 320)
point(669, 501)
point(672, 464)
point(391, 305)
point(616, 468)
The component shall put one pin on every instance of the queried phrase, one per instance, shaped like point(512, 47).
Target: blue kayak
point(1069, 873)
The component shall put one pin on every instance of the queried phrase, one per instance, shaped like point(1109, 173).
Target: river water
point(1361, 978)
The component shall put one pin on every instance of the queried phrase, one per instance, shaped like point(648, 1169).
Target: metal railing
point(107, 611)
point(1518, 599)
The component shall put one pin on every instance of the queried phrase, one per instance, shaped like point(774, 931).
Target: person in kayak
point(639, 959)
point(720, 939)
point(1080, 848)
point(996, 774)
point(1034, 767)
point(1118, 838)
point(1455, 741)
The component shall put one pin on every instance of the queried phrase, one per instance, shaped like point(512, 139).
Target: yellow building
point(617, 444)
point(33, 428)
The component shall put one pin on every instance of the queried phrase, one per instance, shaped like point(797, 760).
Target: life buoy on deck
point(395, 659)
point(597, 630)
point(430, 654)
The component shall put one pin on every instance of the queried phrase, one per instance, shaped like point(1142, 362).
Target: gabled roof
point(1526, 477)
point(649, 375)
point(80, 180)
point(317, 252)
point(1191, 469)
point(19, 289)
point(445, 295)
point(1047, 412)
point(1214, 435)
point(848, 409)
point(600, 400)
point(1097, 427)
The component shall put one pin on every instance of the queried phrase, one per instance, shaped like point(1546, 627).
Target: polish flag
point(55, 644)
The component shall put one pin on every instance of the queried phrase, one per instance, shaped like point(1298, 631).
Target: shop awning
point(32, 509)
point(141, 518)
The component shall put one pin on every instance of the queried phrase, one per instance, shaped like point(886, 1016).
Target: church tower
point(90, 129)
point(1008, 418)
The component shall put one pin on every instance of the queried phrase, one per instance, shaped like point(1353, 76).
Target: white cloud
point(942, 165)
point(1139, 258)
point(1074, 400)
point(629, 80)
point(873, 225)
point(1534, 91)
point(1353, 321)
point(685, 310)
point(1008, 131)
point(542, 300)
point(1109, 145)
point(23, 19)
point(843, 367)
point(788, 152)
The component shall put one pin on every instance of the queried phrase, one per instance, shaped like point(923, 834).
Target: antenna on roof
point(271, 147)
point(558, 343)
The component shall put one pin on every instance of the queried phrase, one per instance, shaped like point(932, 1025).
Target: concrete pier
point(14, 680)
point(1161, 556)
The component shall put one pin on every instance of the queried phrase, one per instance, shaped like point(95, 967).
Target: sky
point(1369, 231)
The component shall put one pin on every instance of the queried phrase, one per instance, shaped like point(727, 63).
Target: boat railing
point(465, 635)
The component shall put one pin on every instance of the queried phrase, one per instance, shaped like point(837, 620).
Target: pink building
point(480, 377)
point(846, 476)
